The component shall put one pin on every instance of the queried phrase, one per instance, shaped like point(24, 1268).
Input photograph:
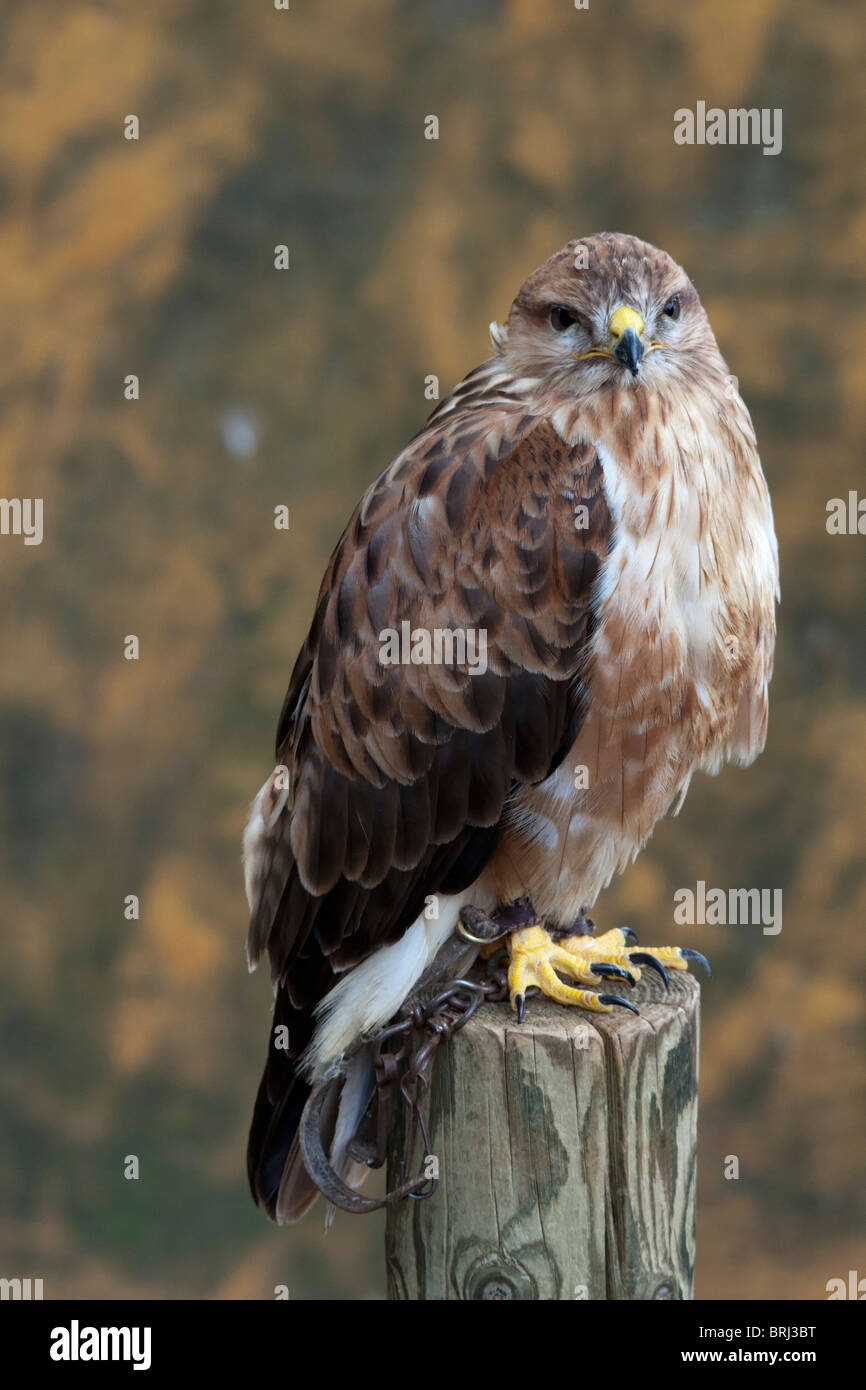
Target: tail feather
point(280, 1101)
point(273, 1141)
point(278, 1178)
point(297, 1191)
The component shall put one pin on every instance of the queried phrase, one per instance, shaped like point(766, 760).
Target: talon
point(535, 960)
point(615, 999)
point(644, 958)
point(689, 954)
point(520, 1005)
point(541, 960)
point(609, 971)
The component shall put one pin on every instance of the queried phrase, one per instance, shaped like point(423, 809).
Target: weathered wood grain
point(567, 1156)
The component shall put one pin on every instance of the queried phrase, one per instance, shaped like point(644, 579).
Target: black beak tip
point(629, 351)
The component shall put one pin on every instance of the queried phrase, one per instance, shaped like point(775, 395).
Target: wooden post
point(567, 1156)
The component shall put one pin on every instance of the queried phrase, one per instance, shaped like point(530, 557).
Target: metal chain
point(437, 1021)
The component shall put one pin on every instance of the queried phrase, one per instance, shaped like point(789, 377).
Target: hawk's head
point(608, 309)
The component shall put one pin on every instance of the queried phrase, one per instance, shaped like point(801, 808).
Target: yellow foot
point(537, 959)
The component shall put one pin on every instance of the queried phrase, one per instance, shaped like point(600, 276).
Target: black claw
point(689, 954)
point(644, 958)
point(520, 1001)
point(609, 971)
point(615, 999)
point(628, 933)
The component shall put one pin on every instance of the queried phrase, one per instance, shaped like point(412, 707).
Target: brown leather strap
point(395, 1062)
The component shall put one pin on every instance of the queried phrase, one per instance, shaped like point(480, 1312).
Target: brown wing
point(399, 773)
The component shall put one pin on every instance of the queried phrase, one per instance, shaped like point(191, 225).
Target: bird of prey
point(589, 504)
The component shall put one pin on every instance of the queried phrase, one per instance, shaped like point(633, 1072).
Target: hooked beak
point(626, 328)
point(629, 350)
point(627, 343)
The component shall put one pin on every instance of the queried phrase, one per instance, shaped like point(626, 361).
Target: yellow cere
point(623, 318)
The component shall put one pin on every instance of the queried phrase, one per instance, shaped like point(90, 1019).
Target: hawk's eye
point(561, 318)
point(672, 308)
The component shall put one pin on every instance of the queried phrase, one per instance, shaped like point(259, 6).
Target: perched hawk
point(587, 508)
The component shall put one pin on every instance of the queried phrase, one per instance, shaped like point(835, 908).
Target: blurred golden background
point(258, 388)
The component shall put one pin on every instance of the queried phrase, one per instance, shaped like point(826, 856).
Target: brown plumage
point(606, 524)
